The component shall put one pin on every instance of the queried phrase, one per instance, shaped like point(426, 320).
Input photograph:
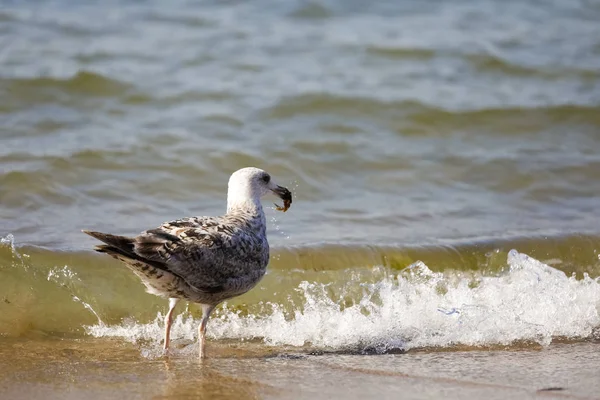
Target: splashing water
point(10, 241)
point(88, 307)
point(530, 302)
point(62, 275)
point(66, 277)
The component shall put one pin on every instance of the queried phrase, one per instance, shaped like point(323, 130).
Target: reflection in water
point(98, 369)
point(203, 379)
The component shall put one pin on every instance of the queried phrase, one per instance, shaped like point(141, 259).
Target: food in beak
point(286, 196)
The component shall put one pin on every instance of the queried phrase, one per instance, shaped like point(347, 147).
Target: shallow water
point(98, 369)
point(443, 158)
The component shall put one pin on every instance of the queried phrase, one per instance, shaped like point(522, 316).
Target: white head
point(246, 187)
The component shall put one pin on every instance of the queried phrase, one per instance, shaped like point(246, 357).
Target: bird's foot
point(167, 351)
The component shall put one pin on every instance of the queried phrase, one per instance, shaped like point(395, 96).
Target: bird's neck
point(245, 207)
point(242, 200)
point(251, 212)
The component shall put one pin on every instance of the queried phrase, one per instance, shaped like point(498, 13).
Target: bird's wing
point(197, 249)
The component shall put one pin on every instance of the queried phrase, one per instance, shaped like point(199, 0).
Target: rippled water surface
point(423, 141)
point(393, 122)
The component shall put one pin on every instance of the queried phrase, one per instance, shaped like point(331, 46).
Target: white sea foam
point(415, 308)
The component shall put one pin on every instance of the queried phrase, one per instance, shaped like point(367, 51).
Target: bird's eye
point(266, 178)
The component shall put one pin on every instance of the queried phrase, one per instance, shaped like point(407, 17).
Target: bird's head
point(248, 185)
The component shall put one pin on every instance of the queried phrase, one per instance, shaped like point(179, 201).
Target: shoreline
point(101, 368)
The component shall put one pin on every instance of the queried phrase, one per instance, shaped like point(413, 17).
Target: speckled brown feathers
point(201, 259)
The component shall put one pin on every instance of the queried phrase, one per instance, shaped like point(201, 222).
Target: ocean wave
point(83, 82)
point(494, 63)
point(32, 190)
point(418, 114)
point(311, 11)
point(402, 53)
point(323, 103)
point(508, 120)
point(311, 293)
point(23, 93)
point(416, 308)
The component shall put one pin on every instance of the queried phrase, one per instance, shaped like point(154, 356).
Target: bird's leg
point(206, 310)
point(168, 320)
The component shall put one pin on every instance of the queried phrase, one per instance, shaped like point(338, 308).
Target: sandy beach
point(100, 369)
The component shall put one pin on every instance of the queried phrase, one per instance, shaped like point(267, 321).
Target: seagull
point(205, 260)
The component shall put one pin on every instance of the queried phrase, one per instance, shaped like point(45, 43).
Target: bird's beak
point(285, 195)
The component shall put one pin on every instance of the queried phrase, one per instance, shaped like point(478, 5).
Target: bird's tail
point(114, 244)
point(155, 275)
point(122, 248)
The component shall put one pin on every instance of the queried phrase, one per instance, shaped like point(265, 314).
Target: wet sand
point(102, 369)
